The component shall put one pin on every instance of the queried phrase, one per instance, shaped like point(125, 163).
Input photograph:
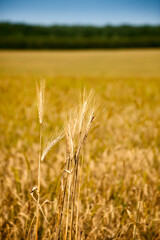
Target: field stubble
point(120, 186)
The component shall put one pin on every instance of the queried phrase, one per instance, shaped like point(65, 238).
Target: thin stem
point(76, 160)
point(69, 187)
point(62, 202)
point(78, 201)
point(39, 180)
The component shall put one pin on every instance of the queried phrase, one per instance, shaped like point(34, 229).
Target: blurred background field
point(92, 63)
point(121, 157)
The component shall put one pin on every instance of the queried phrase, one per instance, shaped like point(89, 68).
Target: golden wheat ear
point(50, 144)
point(40, 99)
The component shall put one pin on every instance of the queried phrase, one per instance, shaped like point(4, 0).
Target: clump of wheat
point(77, 127)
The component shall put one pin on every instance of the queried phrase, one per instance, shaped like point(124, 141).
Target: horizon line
point(80, 24)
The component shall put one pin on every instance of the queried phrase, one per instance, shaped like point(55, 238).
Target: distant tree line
point(22, 36)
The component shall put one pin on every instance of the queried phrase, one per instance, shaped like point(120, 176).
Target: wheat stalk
point(40, 95)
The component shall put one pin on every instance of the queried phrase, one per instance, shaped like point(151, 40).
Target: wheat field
point(115, 192)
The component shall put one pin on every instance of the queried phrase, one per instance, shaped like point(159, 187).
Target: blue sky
point(94, 12)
